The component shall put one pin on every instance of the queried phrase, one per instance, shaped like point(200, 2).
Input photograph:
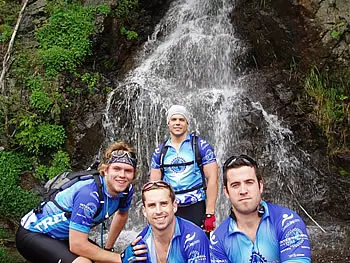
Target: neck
point(178, 139)
point(164, 236)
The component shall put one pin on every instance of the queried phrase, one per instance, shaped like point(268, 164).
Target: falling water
point(193, 58)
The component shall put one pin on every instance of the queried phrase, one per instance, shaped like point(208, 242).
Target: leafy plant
point(338, 30)
point(331, 105)
point(38, 137)
point(40, 100)
point(91, 81)
point(5, 33)
point(125, 8)
point(128, 33)
point(64, 41)
point(60, 163)
point(14, 201)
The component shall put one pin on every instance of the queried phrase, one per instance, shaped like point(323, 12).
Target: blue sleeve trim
point(79, 227)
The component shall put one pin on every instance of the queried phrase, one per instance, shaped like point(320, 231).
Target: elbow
point(76, 248)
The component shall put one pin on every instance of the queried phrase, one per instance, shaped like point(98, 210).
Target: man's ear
point(175, 207)
point(226, 193)
point(144, 211)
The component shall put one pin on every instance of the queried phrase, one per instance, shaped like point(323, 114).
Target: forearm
point(212, 193)
point(117, 225)
point(80, 246)
point(211, 172)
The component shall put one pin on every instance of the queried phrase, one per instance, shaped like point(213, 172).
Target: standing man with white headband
point(59, 230)
point(188, 163)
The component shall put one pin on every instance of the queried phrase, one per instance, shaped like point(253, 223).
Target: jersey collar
point(233, 228)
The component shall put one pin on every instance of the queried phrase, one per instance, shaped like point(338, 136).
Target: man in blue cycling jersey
point(53, 235)
point(189, 165)
point(256, 231)
point(169, 239)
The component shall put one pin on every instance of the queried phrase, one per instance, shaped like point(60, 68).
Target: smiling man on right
point(256, 231)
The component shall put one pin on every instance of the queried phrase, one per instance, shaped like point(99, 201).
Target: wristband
point(109, 249)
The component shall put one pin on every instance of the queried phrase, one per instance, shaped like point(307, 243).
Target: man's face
point(118, 177)
point(177, 125)
point(159, 209)
point(243, 190)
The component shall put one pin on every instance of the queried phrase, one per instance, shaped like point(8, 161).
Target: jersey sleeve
point(155, 163)
point(293, 238)
point(217, 251)
point(85, 205)
point(125, 206)
point(196, 248)
point(206, 151)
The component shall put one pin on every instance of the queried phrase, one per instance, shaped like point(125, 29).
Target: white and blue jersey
point(281, 237)
point(82, 200)
point(188, 245)
point(184, 177)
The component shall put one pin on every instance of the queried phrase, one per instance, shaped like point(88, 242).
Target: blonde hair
point(119, 145)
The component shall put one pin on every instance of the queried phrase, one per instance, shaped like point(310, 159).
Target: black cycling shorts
point(40, 248)
point(194, 213)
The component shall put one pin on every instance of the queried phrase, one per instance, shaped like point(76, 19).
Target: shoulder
point(283, 217)
point(190, 230)
point(223, 229)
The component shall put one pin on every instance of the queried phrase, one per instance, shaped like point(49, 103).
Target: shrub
point(14, 201)
point(331, 105)
point(38, 137)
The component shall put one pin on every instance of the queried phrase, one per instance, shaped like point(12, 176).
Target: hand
point(136, 251)
point(208, 224)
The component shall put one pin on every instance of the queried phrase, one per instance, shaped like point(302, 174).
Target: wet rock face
point(112, 58)
point(286, 38)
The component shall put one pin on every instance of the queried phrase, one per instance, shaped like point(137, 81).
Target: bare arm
point(117, 225)
point(155, 175)
point(211, 174)
point(80, 245)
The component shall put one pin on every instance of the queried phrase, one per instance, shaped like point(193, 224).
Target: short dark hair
point(158, 185)
point(236, 161)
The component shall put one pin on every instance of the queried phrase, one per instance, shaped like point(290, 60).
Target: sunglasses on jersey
point(159, 183)
point(121, 156)
point(239, 160)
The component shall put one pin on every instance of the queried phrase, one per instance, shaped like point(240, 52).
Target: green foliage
point(125, 8)
point(60, 163)
point(64, 41)
point(9, 11)
point(9, 257)
point(91, 81)
point(39, 137)
point(5, 33)
point(14, 201)
point(128, 33)
point(40, 100)
point(338, 30)
point(331, 105)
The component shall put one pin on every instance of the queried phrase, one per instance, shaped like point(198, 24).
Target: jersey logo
point(178, 169)
point(190, 238)
point(294, 237)
point(256, 257)
point(212, 240)
point(90, 210)
point(286, 217)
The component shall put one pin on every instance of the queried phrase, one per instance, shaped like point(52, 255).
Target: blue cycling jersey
point(281, 237)
point(188, 245)
point(82, 200)
point(187, 176)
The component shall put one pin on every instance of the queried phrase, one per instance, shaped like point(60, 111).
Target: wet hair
point(119, 145)
point(242, 160)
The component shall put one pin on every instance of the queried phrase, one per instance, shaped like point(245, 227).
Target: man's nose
point(243, 189)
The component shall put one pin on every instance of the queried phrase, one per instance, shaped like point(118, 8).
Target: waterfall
point(193, 58)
